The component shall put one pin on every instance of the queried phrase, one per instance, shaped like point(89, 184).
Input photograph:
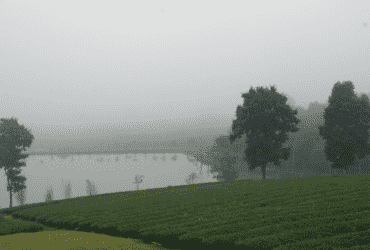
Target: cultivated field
point(323, 212)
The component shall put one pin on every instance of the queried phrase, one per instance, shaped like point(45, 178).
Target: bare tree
point(138, 180)
point(174, 157)
point(200, 165)
point(191, 178)
point(49, 195)
point(91, 188)
point(68, 191)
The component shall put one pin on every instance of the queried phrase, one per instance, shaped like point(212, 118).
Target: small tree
point(68, 191)
point(174, 157)
point(21, 197)
point(191, 178)
point(91, 188)
point(16, 182)
point(138, 180)
point(49, 195)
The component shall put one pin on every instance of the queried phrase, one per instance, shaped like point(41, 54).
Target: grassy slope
point(261, 198)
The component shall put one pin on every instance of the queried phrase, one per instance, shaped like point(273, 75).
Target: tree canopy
point(14, 139)
point(346, 125)
point(265, 118)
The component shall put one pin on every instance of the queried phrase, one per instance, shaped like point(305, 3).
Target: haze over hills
point(77, 81)
point(203, 133)
point(174, 139)
point(177, 139)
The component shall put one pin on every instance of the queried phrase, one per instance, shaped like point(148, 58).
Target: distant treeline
point(166, 147)
point(307, 153)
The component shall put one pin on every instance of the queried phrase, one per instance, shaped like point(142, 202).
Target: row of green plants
point(294, 213)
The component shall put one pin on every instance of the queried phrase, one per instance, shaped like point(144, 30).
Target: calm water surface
point(115, 173)
point(107, 172)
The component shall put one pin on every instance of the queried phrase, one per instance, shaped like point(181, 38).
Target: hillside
point(171, 141)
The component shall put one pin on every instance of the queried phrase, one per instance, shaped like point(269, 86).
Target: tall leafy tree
point(14, 139)
point(346, 125)
point(265, 118)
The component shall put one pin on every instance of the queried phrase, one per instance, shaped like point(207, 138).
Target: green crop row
point(257, 215)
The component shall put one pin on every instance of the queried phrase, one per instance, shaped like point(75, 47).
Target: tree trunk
point(263, 172)
point(11, 199)
point(10, 193)
point(358, 167)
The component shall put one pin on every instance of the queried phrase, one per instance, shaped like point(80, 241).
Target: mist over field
point(166, 78)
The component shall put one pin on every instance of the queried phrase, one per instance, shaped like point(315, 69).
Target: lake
point(109, 173)
point(116, 173)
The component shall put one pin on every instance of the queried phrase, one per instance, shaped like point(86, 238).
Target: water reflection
point(63, 156)
point(116, 176)
point(174, 157)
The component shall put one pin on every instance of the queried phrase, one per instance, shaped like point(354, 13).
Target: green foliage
point(265, 118)
point(224, 155)
point(346, 124)
point(296, 213)
point(307, 145)
point(14, 139)
point(14, 226)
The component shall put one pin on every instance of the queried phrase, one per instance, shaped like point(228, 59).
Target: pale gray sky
point(83, 62)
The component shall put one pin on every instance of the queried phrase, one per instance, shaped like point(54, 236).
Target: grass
point(322, 212)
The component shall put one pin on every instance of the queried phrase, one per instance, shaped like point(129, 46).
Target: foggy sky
point(150, 63)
